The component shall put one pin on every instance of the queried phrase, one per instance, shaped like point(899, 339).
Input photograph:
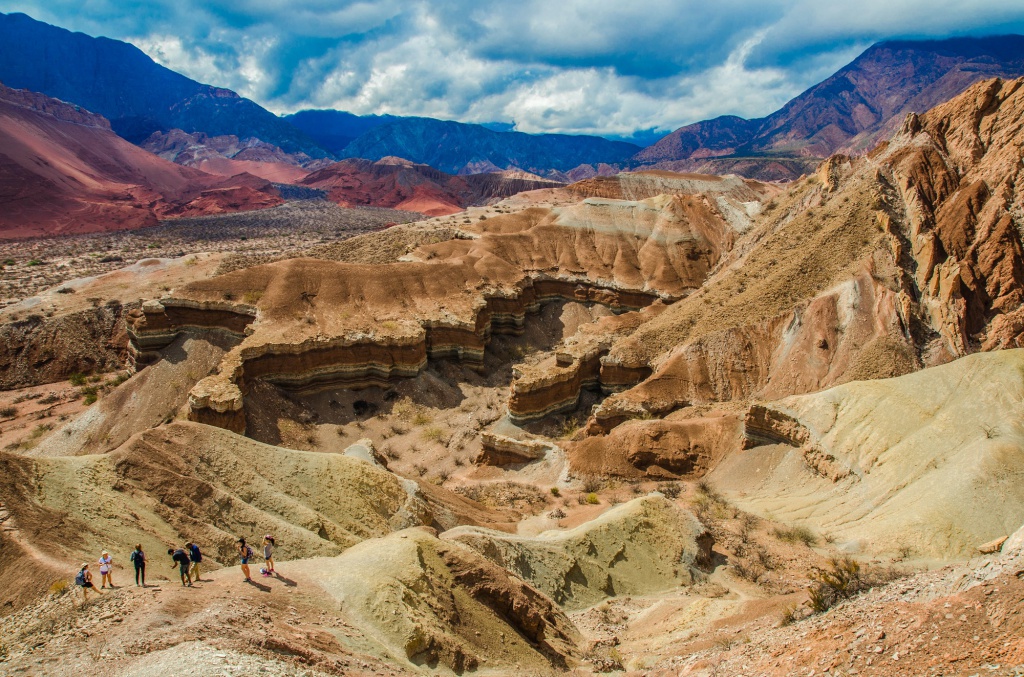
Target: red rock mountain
point(62, 170)
point(849, 112)
point(228, 155)
point(400, 184)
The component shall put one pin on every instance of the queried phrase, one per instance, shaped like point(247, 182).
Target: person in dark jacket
point(138, 558)
point(196, 558)
point(181, 560)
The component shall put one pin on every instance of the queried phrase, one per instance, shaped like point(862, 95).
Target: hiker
point(138, 558)
point(84, 580)
point(196, 557)
point(182, 562)
point(268, 554)
point(244, 554)
point(106, 565)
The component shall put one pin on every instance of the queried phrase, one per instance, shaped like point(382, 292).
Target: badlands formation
point(652, 423)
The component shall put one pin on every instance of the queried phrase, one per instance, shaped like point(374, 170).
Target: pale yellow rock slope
point(930, 464)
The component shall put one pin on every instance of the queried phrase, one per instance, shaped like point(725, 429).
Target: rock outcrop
point(872, 268)
point(638, 548)
point(930, 463)
point(306, 324)
point(431, 602)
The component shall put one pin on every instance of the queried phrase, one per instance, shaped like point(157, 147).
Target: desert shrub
point(421, 418)
point(432, 434)
point(556, 492)
point(592, 499)
point(35, 262)
point(444, 474)
point(58, 587)
point(77, 379)
point(672, 490)
point(419, 469)
point(592, 484)
point(748, 523)
point(252, 297)
point(749, 571)
point(569, 427)
point(8, 412)
point(65, 290)
point(789, 616)
point(50, 399)
point(89, 394)
point(556, 514)
point(797, 534)
point(841, 580)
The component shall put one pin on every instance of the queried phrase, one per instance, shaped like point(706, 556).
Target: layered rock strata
point(874, 267)
point(306, 324)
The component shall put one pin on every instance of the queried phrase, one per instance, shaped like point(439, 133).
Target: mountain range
point(139, 97)
point(849, 112)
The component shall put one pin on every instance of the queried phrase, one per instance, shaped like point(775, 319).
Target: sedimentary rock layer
point(309, 323)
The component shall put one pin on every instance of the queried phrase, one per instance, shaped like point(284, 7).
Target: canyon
point(647, 422)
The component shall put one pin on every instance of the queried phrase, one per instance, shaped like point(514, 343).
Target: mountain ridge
point(852, 110)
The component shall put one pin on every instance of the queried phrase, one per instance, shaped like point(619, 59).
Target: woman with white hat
point(106, 566)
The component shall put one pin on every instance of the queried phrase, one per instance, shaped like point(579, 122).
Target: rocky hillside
point(849, 112)
point(400, 184)
point(64, 171)
point(138, 96)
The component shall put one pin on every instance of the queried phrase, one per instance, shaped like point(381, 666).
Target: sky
point(612, 68)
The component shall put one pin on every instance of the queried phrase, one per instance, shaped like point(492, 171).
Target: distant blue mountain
point(139, 96)
point(454, 147)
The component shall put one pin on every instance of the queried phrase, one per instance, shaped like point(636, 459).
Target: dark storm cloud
point(589, 66)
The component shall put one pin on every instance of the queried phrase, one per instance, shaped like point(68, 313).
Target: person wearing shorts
point(84, 580)
point(244, 553)
point(180, 558)
point(268, 553)
point(106, 567)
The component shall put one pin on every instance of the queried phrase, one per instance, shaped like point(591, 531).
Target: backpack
point(248, 552)
point(132, 556)
point(80, 578)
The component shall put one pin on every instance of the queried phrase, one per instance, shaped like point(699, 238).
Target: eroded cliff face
point(305, 324)
point(871, 268)
point(40, 349)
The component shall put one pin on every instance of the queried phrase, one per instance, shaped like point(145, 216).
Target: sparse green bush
point(77, 379)
point(841, 580)
point(592, 499)
point(8, 412)
point(797, 534)
point(88, 394)
point(432, 434)
point(421, 418)
point(555, 492)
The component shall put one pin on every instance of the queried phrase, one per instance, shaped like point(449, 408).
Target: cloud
point(577, 66)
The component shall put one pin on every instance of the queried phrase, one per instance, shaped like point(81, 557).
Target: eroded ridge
point(306, 323)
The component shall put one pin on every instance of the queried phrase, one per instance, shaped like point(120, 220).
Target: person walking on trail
point(84, 580)
point(268, 554)
point(245, 554)
point(138, 558)
point(182, 562)
point(106, 566)
point(196, 557)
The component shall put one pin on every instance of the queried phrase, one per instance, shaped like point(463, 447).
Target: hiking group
point(187, 559)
